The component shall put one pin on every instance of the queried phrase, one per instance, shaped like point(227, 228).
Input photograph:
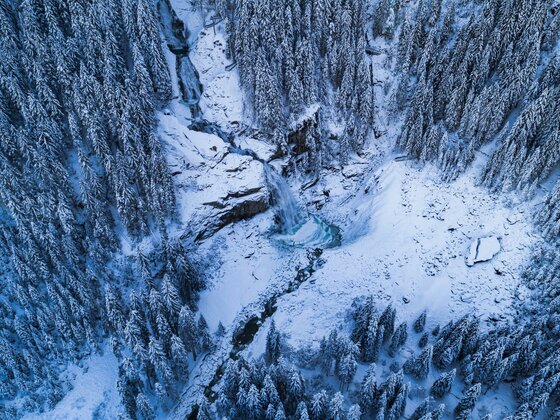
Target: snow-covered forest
point(280, 209)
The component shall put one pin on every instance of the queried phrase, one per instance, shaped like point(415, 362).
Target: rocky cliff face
point(217, 186)
point(240, 205)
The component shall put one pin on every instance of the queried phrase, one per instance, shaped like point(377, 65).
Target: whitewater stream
point(296, 226)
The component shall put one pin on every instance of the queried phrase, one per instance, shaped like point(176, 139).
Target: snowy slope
point(411, 252)
point(93, 394)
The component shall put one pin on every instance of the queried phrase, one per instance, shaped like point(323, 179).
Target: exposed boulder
point(483, 249)
point(218, 185)
point(304, 141)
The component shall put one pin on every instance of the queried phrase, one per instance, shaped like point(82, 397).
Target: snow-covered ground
point(93, 394)
point(406, 239)
point(221, 100)
point(411, 252)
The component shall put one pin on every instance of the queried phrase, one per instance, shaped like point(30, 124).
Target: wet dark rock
point(298, 137)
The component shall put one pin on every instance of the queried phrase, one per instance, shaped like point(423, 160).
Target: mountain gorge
point(272, 209)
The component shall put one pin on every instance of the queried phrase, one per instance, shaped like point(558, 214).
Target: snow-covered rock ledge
point(216, 186)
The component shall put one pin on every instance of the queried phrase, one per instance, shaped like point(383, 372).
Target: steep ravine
point(295, 228)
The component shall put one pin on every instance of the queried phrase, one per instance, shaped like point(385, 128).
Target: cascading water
point(287, 209)
point(189, 85)
point(297, 227)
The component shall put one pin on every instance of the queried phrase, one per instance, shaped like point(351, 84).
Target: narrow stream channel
point(245, 334)
point(295, 226)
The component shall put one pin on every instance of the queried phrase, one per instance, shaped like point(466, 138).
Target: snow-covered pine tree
point(320, 404)
point(419, 366)
point(347, 369)
point(438, 412)
point(160, 362)
point(468, 402)
point(180, 357)
point(399, 338)
point(79, 86)
point(487, 68)
point(368, 390)
point(442, 385)
point(420, 323)
point(273, 344)
point(396, 411)
point(387, 319)
point(188, 330)
point(422, 410)
point(423, 340)
point(354, 412)
point(144, 407)
point(301, 412)
point(336, 407)
point(298, 53)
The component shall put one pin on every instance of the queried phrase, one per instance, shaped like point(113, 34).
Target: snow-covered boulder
point(483, 249)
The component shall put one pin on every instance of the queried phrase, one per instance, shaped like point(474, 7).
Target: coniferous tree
point(387, 319)
point(368, 390)
point(159, 360)
point(273, 344)
point(320, 405)
point(381, 406)
point(144, 407)
point(419, 366)
point(336, 407)
point(188, 330)
point(179, 356)
point(438, 412)
point(347, 369)
point(399, 338)
point(423, 340)
point(354, 412)
point(420, 323)
point(442, 385)
point(205, 339)
point(422, 410)
point(301, 412)
point(467, 403)
point(396, 410)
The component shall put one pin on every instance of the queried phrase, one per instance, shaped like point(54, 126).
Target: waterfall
point(176, 36)
point(287, 208)
point(189, 84)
